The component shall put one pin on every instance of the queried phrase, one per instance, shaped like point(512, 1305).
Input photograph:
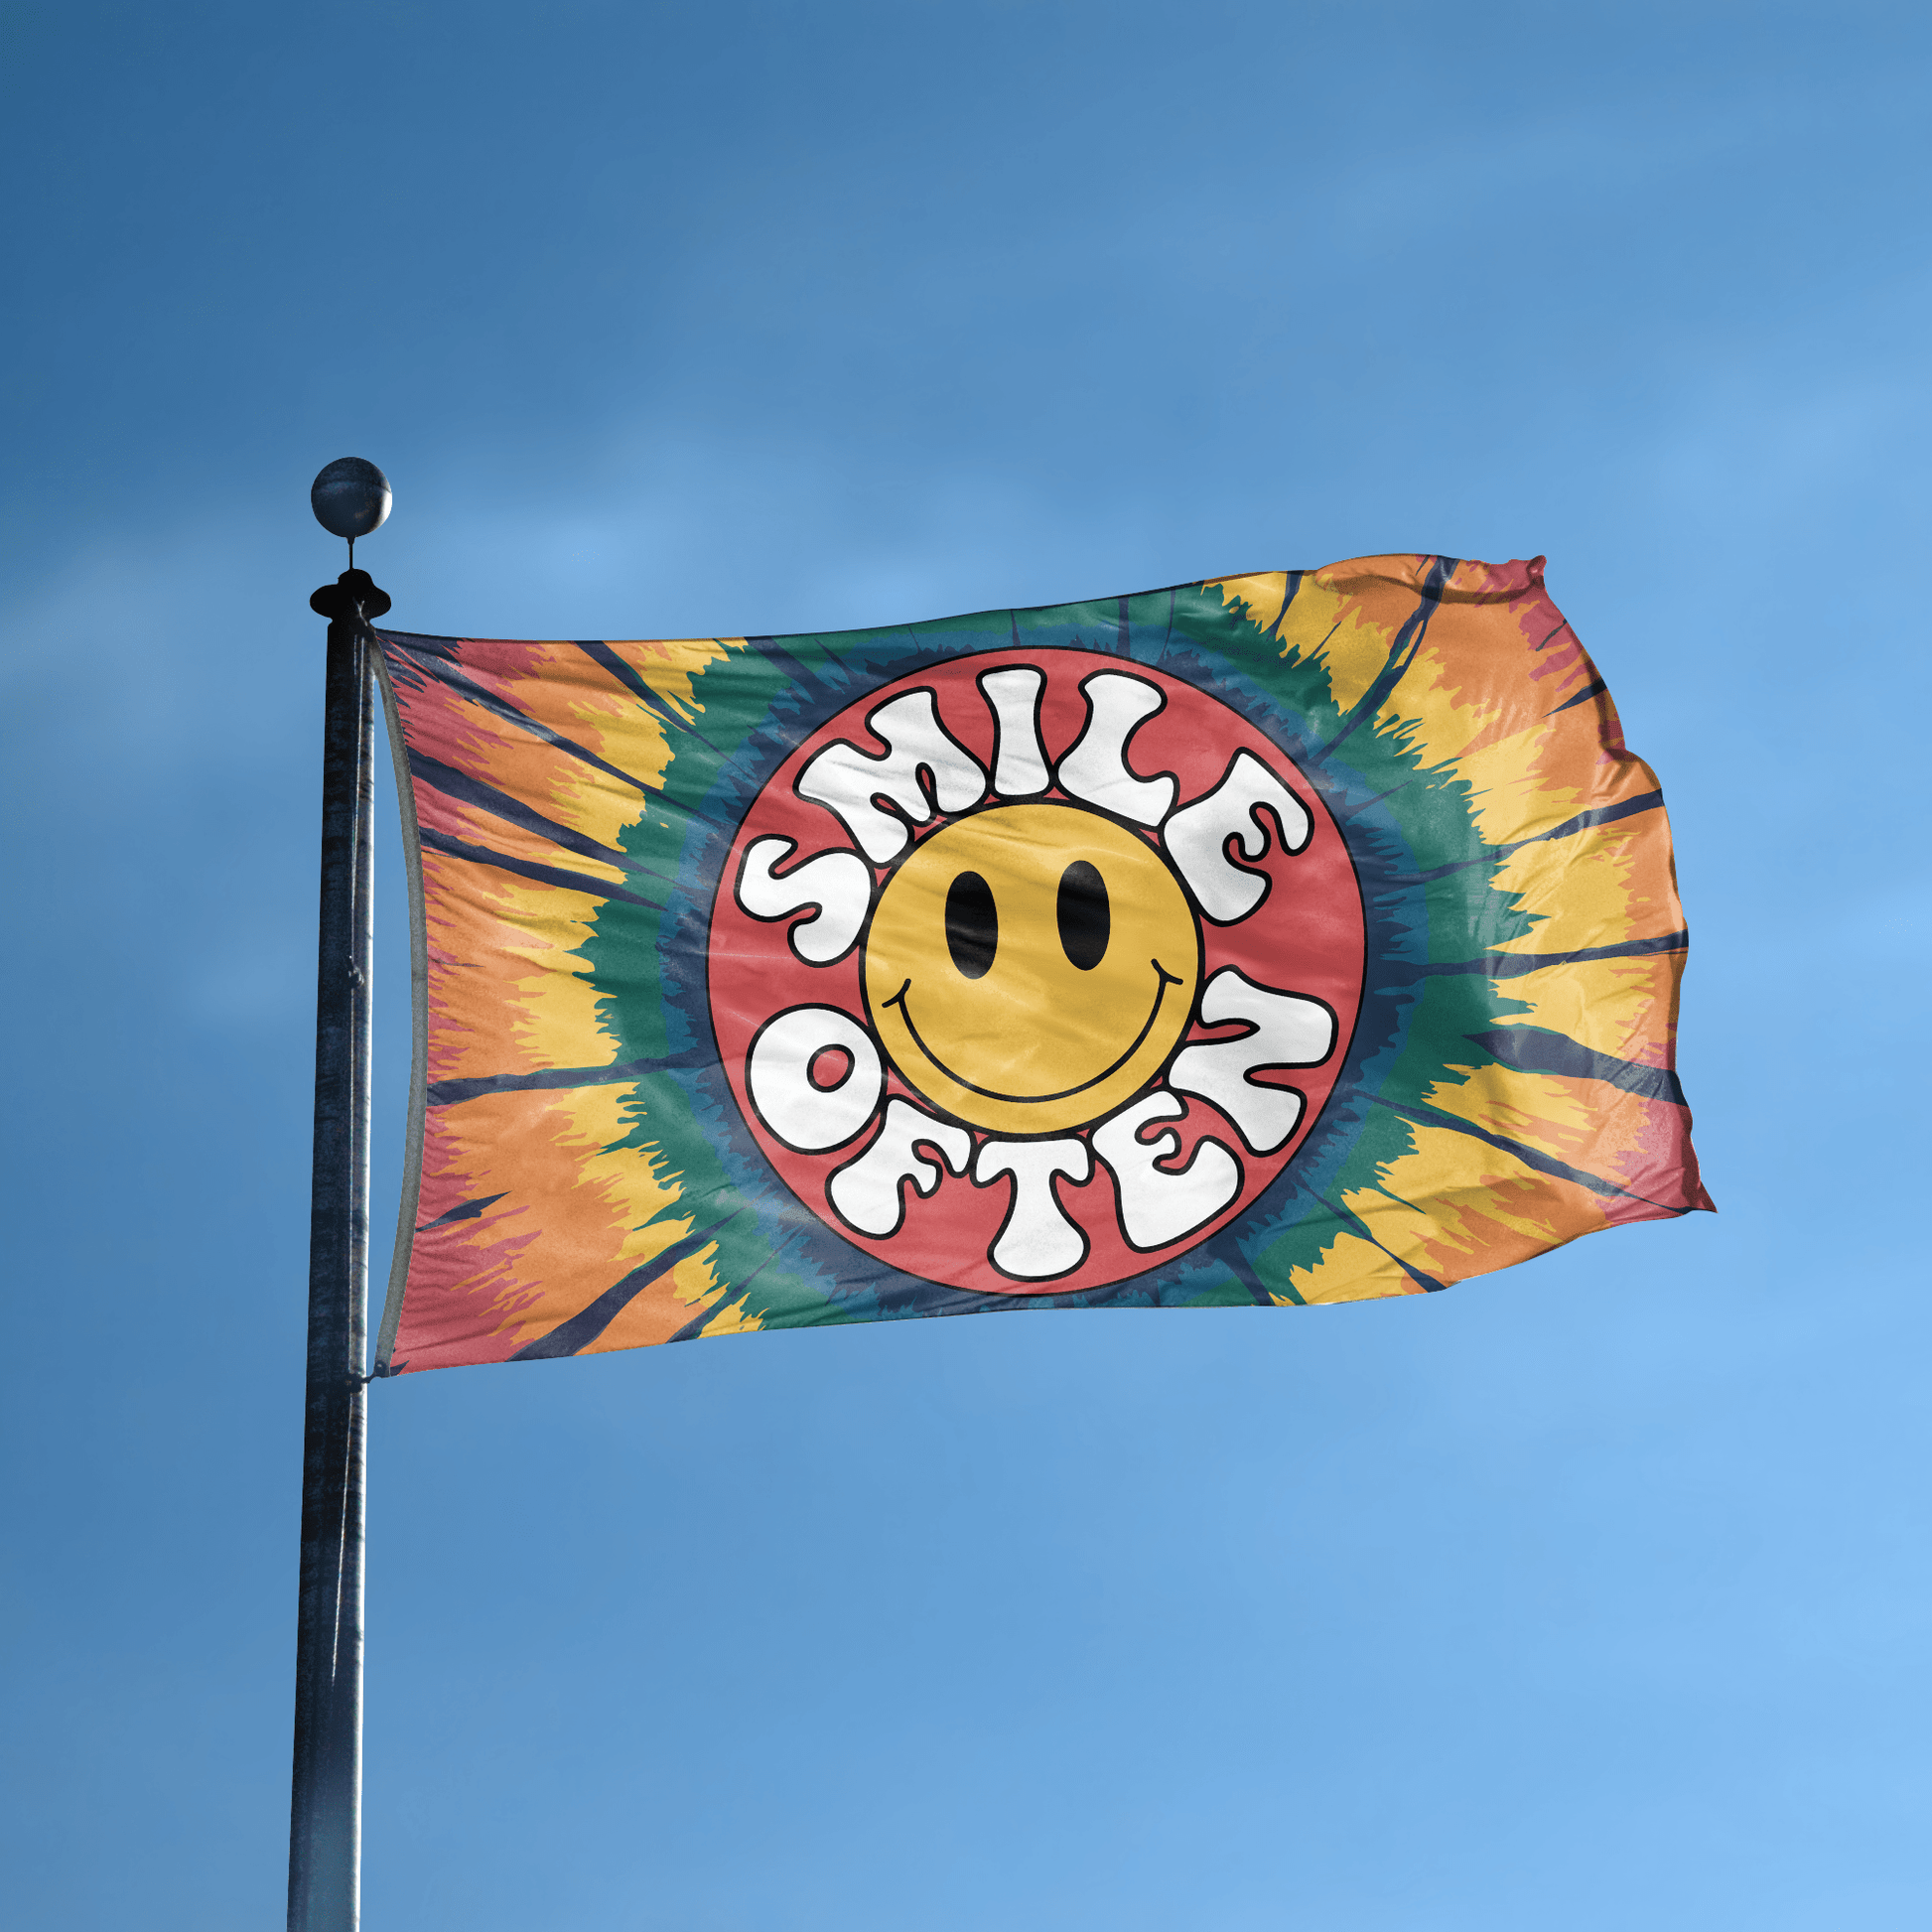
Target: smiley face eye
point(972, 926)
point(1086, 920)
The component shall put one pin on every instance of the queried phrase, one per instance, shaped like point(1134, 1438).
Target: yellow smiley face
point(1030, 967)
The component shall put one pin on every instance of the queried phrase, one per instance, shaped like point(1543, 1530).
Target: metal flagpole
point(326, 1813)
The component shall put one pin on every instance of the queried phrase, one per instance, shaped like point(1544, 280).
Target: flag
point(1307, 936)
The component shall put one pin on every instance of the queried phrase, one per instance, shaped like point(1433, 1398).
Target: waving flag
point(1299, 937)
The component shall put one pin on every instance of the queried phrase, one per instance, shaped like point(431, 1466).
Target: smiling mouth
point(1163, 980)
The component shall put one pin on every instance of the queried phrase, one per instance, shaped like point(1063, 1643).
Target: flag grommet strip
point(412, 1170)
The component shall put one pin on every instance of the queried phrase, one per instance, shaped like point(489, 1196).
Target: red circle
point(1305, 937)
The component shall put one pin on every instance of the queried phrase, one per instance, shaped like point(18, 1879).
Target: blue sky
point(1594, 1593)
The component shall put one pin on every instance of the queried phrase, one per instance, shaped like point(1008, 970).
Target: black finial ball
point(350, 498)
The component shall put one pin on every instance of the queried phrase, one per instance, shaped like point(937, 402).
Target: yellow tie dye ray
point(1307, 936)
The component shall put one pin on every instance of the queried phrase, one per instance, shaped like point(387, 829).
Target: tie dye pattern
point(1407, 1011)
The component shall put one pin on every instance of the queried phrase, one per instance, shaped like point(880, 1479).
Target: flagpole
point(326, 1807)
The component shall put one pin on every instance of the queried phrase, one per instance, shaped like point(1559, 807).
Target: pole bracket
point(354, 596)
